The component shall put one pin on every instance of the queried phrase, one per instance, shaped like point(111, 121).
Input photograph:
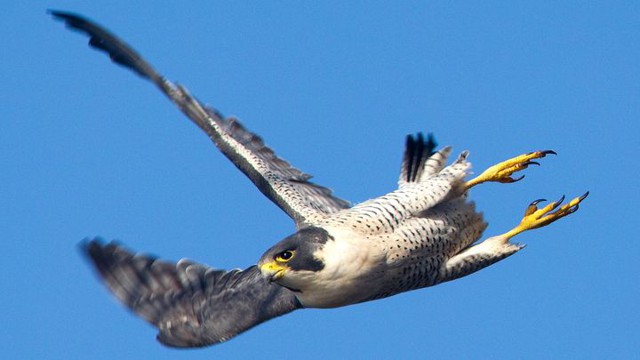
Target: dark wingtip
point(59, 13)
point(71, 19)
point(95, 249)
point(101, 39)
point(56, 13)
point(89, 245)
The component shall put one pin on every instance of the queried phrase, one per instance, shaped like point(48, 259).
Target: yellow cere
point(275, 268)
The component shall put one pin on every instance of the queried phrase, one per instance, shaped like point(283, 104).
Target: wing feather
point(286, 186)
point(192, 305)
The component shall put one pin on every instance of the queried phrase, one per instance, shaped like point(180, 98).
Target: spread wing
point(286, 186)
point(191, 304)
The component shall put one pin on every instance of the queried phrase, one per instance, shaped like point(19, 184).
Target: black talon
point(512, 180)
point(549, 152)
point(531, 163)
point(536, 202)
point(583, 196)
point(557, 203)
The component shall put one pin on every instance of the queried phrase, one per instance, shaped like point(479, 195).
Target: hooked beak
point(273, 271)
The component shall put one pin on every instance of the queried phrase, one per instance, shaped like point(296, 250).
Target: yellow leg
point(502, 172)
point(535, 218)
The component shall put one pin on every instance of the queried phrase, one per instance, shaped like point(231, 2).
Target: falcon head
point(295, 260)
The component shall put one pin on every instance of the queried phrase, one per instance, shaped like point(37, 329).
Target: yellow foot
point(535, 218)
point(502, 172)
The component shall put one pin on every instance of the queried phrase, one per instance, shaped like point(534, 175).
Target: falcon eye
point(284, 256)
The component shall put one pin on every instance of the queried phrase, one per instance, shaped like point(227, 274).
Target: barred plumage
point(419, 235)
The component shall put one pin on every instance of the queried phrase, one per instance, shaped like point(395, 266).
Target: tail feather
point(416, 152)
point(420, 160)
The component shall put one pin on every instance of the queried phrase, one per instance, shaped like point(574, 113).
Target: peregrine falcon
point(423, 233)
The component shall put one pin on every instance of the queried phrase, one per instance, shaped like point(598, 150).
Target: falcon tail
point(420, 159)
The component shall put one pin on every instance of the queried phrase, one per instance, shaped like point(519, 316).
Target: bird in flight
point(422, 234)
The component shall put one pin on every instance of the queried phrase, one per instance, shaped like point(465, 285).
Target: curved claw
point(583, 196)
point(536, 202)
point(573, 209)
point(512, 180)
point(533, 207)
point(543, 153)
point(535, 218)
point(557, 203)
point(502, 172)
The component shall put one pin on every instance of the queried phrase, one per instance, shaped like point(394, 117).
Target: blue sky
point(88, 149)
